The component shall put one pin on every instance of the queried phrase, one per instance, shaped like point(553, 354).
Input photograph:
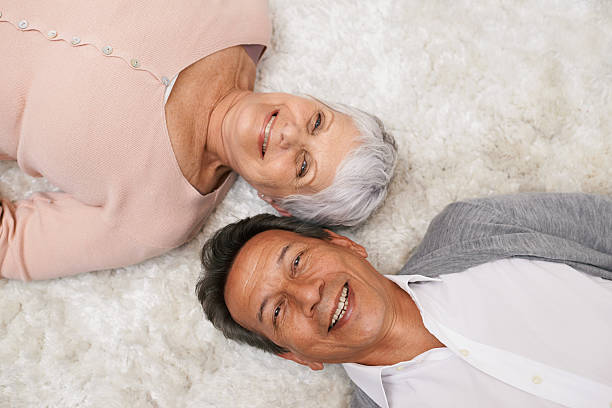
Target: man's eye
point(276, 313)
point(296, 261)
point(317, 122)
point(303, 168)
point(296, 264)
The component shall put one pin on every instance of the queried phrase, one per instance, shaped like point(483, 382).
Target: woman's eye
point(303, 168)
point(318, 122)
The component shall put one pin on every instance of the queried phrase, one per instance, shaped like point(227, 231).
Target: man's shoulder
point(490, 216)
point(462, 220)
point(359, 399)
point(555, 226)
point(458, 234)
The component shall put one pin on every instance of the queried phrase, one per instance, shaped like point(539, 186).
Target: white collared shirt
point(518, 333)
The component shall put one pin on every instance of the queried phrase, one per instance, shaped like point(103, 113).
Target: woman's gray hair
point(361, 180)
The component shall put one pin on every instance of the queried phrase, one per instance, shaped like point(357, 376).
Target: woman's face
point(283, 144)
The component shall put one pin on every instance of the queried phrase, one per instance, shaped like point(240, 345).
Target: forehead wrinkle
point(241, 266)
point(253, 268)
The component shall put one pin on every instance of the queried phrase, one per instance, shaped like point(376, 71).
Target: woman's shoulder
point(166, 212)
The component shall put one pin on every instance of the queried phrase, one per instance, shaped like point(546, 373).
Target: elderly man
point(502, 304)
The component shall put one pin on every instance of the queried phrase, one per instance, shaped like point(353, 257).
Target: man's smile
point(342, 306)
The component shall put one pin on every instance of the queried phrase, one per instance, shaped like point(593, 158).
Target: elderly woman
point(142, 113)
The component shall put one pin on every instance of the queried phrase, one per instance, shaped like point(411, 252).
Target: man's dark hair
point(218, 255)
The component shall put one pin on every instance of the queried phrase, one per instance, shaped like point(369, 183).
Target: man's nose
point(308, 294)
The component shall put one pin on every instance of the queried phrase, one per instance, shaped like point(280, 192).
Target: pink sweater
point(81, 103)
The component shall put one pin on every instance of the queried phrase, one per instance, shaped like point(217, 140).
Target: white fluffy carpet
point(484, 97)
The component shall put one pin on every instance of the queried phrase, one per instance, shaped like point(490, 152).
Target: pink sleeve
point(52, 235)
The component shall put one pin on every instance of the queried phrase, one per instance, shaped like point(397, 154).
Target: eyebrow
point(281, 256)
point(261, 309)
point(331, 121)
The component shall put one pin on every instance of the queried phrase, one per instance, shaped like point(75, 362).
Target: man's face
point(320, 299)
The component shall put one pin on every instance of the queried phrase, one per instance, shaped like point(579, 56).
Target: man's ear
point(277, 207)
point(347, 243)
point(314, 365)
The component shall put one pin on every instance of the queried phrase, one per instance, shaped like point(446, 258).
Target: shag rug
point(484, 97)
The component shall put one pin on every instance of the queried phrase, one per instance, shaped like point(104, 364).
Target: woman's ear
point(280, 209)
point(277, 207)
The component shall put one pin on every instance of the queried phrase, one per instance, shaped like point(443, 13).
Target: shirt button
point(135, 63)
point(464, 352)
point(165, 81)
point(400, 368)
point(536, 379)
point(75, 41)
point(51, 34)
point(23, 24)
point(107, 50)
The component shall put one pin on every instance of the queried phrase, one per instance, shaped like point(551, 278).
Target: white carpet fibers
point(484, 97)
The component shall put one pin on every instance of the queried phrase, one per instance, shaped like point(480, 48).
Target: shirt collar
point(368, 378)
point(403, 280)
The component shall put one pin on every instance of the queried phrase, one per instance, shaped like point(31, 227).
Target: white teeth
point(267, 134)
point(342, 306)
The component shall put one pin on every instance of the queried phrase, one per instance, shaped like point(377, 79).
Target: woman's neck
point(216, 129)
point(202, 95)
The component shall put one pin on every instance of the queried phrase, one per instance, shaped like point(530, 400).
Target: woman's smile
point(264, 134)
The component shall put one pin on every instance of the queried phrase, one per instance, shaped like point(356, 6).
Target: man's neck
point(407, 337)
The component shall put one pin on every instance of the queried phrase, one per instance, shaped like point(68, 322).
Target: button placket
point(106, 49)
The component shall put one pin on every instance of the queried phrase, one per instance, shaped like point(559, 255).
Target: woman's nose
point(308, 294)
point(288, 135)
